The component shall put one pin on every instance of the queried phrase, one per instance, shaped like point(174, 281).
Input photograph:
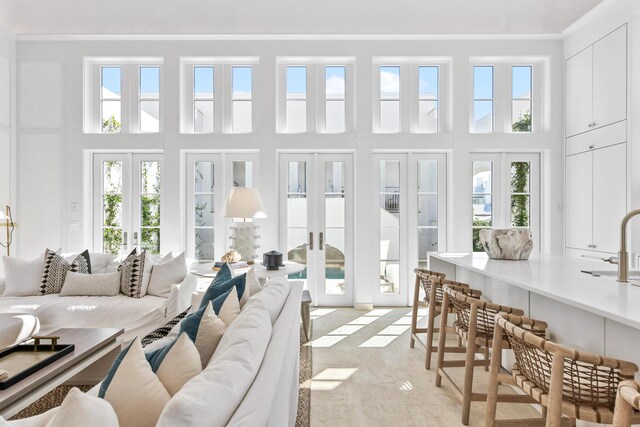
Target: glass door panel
point(335, 223)
point(297, 217)
point(389, 211)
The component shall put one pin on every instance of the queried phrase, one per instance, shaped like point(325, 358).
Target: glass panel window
point(110, 99)
point(149, 91)
point(482, 200)
point(204, 211)
point(521, 98)
point(427, 208)
point(297, 205)
point(428, 99)
point(242, 174)
point(150, 206)
point(203, 99)
point(111, 207)
point(389, 210)
point(520, 194)
point(483, 99)
point(242, 104)
point(335, 99)
point(296, 99)
point(335, 223)
point(390, 99)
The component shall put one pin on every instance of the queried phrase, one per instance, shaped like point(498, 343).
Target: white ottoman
point(17, 327)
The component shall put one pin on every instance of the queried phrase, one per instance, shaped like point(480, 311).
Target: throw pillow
point(221, 286)
point(205, 330)
point(133, 271)
point(227, 306)
point(134, 391)
point(80, 409)
point(163, 331)
point(22, 278)
point(104, 284)
point(176, 363)
point(100, 262)
point(253, 283)
point(56, 268)
point(167, 271)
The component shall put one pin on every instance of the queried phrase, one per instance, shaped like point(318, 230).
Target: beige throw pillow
point(105, 284)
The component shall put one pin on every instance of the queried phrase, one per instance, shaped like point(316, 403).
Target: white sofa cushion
point(103, 284)
point(134, 391)
point(167, 271)
point(273, 295)
point(136, 316)
point(79, 409)
point(219, 389)
point(102, 263)
point(253, 284)
point(176, 363)
point(22, 278)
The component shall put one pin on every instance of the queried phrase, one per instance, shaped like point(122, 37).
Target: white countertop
point(561, 279)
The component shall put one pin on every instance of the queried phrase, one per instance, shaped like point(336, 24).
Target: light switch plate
point(74, 225)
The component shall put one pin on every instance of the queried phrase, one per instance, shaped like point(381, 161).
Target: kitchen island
point(597, 314)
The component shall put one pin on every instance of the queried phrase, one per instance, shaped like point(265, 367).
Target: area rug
point(54, 398)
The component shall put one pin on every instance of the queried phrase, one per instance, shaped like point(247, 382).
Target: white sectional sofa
point(137, 316)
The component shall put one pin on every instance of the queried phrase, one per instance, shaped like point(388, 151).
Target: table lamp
point(244, 204)
point(6, 220)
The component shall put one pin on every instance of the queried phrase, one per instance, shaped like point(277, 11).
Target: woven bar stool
point(475, 325)
point(422, 275)
point(432, 286)
point(627, 404)
point(569, 384)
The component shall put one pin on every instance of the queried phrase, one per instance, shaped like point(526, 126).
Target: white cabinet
point(579, 98)
point(596, 84)
point(596, 198)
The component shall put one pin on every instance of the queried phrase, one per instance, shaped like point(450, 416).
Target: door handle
point(321, 245)
point(135, 238)
point(124, 243)
point(311, 240)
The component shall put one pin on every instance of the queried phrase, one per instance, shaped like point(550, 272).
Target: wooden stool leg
point(492, 392)
point(442, 338)
point(431, 320)
point(486, 357)
point(469, 365)
point(414, 311)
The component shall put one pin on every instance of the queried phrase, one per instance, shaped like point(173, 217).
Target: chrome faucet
point(623, 255)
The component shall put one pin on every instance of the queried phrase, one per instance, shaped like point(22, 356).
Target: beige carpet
point(55, 397)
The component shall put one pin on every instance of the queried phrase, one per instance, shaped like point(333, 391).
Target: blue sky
point(296, 80)
point(241, 81)
point(521, 82)
point(111, 79)
point(428, 81)
point(335, 81)
point(203, 81)
point(150, 81)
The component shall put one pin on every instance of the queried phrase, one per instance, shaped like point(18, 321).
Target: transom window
point(203, 99)
point(111, 99)
point(296, 99)
point(428, 99)
point(483, 99)
point(242, 99)
point(149, 99)
point(389, 99)
point(335, 98)
point(521, 101)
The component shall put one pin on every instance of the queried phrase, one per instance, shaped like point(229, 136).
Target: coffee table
point(91, 345)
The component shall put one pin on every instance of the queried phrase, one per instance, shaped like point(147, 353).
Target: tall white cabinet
point(596, 84)
point(596, 146)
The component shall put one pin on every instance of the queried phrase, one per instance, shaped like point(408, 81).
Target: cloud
point(335, 85)
point(389, 82)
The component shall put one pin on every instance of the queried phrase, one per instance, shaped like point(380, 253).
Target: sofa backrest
point(274, 295)
point(272, 399)
point(212, 397)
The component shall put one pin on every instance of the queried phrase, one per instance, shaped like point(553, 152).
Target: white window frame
point(492, 99)
point(222, 92)
point(409, 92)
point(316, 92)
point(234, 99)
point(530, 99)
point(209, 99)
point(502, 87)
point(141, 98)
point(501, 192)
point(129, 92)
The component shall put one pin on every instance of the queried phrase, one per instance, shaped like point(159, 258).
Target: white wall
point(52, 185)
point(7, 126)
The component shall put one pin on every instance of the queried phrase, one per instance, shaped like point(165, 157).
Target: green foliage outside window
point(150, 209)
point(520, 202)
point(523, 124)
point(112, 205)
point(483, 223)
point(111, 125)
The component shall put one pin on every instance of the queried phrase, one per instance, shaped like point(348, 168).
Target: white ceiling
point(291, 16)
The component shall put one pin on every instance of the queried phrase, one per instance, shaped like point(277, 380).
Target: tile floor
point(365, 374)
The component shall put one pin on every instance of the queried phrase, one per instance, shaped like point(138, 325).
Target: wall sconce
point(6, 220)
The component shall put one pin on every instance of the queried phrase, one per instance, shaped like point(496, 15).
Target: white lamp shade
point(244, 203)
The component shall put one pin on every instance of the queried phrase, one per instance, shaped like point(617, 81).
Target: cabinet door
point(609, 196)
point(579, 92)
point(610, 78)
point(579, 200)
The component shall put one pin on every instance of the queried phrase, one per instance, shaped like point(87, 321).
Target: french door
point(127, 202)
point(316, 222)
point(209, 177)
point(411, 212)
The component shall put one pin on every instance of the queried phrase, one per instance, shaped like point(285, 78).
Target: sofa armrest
point(180, 296)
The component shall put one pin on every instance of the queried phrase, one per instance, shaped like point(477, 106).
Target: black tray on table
point(56, 351)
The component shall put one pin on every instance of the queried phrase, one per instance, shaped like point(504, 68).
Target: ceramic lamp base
point(244, 239)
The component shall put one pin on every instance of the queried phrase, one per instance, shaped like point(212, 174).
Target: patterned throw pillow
point(56, 268)
point(131, 274)
point(163, 330)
